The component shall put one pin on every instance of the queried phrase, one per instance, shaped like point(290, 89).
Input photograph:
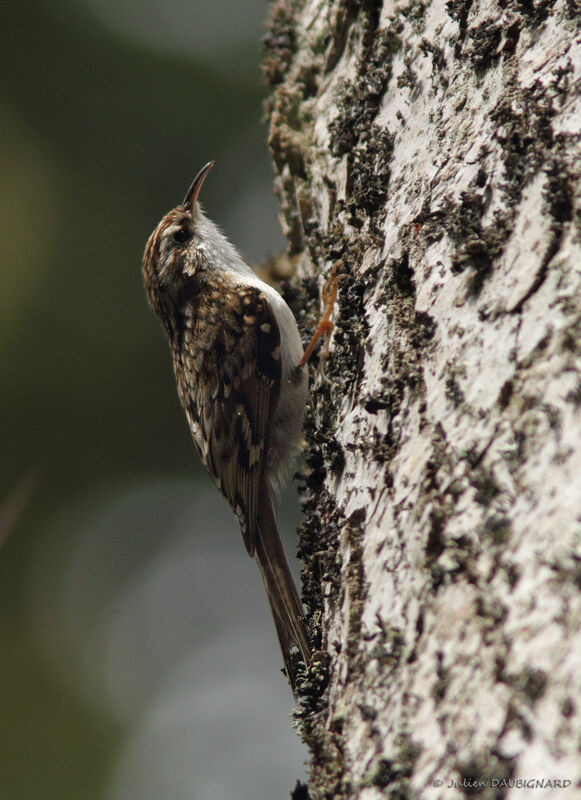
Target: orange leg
point(325, 326)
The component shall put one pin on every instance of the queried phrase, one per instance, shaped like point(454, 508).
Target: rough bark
point(435, 150)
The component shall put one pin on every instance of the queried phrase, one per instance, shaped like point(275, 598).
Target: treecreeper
point(239, 366)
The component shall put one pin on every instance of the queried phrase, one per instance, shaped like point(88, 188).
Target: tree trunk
point(435, 151)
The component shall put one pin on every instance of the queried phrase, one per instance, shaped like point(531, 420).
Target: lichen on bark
point(435, 151)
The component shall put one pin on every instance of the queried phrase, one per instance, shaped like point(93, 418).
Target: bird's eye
point(181, 235)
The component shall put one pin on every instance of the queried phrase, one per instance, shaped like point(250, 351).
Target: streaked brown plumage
point(236, 352)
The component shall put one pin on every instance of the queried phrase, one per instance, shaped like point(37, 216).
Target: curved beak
point(192, 194)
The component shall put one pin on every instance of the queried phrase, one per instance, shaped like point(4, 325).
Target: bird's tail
point(284, 600)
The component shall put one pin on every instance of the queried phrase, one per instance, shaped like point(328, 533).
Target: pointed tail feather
point(284, 601)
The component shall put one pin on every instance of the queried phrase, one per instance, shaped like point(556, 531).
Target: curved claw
point(325, 326)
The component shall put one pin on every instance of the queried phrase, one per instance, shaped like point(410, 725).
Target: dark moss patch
point(567, 707)
point(404, 275)
point(388, 649)
point(477, 246)
point(369, 171)
point(391, 775)
point(532, 682)
point(436, 543)
point(319, 538)
point(454, 392)
point(574, 11)
point(415, 12)
point(559, 193)
point(484, 49)
point(505, 394)
point(437, 54)
point(317, 550)
point(464, 225)
point(311, 688)
point(373, 404)
point(534, 12)
point(381, 773)
point(559, 205)
point(424, 329)
point(355, 577)
point(484, 482)
point(513, 574)
point(498, 528)
point(574, 395)
point(478, 773)
point(358, 102)
point(419, 633)
point(440, 688)
point(511, 37)
point(525, 134)
point(408, 78)
point(459, 11)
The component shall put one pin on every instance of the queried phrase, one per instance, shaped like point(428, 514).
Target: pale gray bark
point(435, 149)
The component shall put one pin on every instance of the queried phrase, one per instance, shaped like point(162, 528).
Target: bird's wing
point(235, 399)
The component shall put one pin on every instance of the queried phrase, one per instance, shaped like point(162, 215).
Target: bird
point(239, 366)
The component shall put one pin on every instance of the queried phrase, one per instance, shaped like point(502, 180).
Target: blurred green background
point(138, 658)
